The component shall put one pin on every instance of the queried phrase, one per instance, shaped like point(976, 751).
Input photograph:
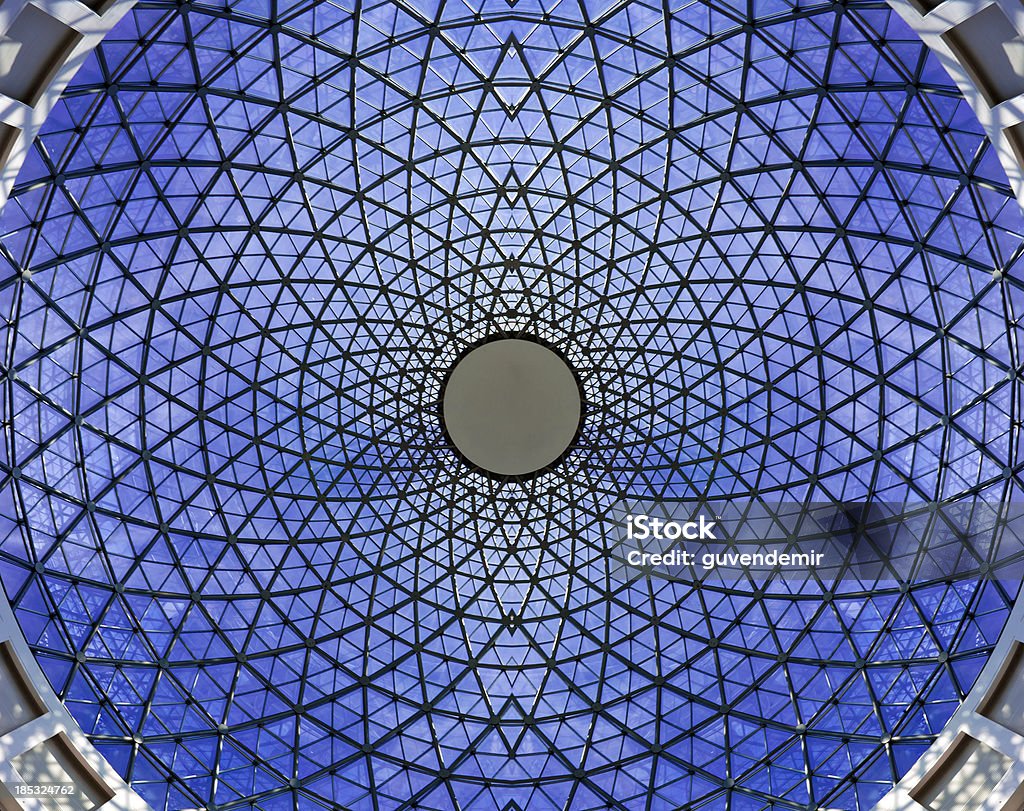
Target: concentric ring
point(512, 406)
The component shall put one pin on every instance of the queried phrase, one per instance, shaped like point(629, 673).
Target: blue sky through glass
point(251, 239)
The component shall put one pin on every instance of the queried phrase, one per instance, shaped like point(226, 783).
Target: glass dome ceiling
point(250, 242)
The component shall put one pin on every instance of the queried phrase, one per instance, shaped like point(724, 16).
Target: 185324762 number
point(45, 789)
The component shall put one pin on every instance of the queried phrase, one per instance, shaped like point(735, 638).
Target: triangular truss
point(250, 241)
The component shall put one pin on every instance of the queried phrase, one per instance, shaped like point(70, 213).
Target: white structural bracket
point(46, 761)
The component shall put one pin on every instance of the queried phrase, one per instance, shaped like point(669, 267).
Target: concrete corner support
point(40, 743)
point(42, 45)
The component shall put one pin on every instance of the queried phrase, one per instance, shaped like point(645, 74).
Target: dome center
point(512, 406)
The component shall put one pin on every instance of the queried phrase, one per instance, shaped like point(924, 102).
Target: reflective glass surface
point(252, 239)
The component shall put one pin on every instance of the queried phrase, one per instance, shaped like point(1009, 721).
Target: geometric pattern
point(247, 246)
